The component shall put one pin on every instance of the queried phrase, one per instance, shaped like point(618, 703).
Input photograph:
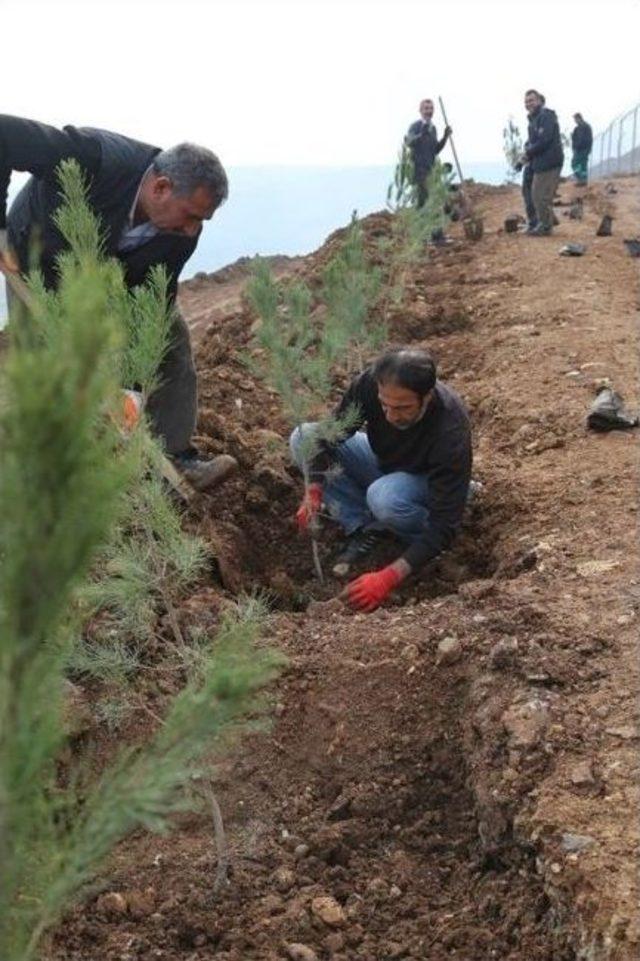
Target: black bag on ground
point(608, 413)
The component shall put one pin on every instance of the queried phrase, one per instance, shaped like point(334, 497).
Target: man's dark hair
point(189, 166)
point(426, 100)
point(578, 116)
point(413, 369)
point(536, 93)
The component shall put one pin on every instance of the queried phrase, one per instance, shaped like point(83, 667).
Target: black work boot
point(358, 545)
point(206, 474)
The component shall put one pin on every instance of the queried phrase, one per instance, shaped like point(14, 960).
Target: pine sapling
point(512, 147)
point(63, 470)
point(296, 361)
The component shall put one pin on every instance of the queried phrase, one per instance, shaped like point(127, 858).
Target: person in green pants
point(581, 144)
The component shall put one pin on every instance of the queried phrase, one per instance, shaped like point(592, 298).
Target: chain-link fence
point(617, 149)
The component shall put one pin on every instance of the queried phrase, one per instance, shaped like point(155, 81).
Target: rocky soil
point(456, 775)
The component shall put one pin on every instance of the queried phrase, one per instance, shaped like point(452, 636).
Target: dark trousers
point(527, 184)
point(422, 193)
point(543, 189)
point(173, 407)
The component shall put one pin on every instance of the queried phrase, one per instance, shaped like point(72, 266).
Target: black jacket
point(425, 147)
point(582, 138)
point(114, 165)
point(438, 446)
point(544, 146)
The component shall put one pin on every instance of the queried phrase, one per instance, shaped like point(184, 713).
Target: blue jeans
point(358, 494)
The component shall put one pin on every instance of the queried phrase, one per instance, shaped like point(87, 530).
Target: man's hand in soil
point(8, 262)
point(370, 590)
point(309, 507)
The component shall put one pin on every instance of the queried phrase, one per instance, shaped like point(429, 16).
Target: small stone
point(395, 892)
point(410, 652)
point(334, 942)
point(328, 911)
point(625, 619)
point(556, 868)
point(301, 851)
point(582, 775)
point(141, 903)
point(503, 654)
point(284, 879)
point(113, 903)
point(377, 888)
point(271, 904)
point(340, 810)
point(449, 651)
point(577, 842)
point(526, 723)
point(300, 952)
point(626, 732)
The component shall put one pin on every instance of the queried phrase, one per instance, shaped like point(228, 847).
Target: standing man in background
point(151, 204)
point(544, 154)
point(581, 145)
point(422, 141)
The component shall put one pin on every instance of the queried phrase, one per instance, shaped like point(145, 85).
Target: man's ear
point(162, 186)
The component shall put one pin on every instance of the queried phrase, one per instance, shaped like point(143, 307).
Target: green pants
point(580, 165)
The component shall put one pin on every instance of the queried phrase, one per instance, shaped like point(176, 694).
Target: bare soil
point(469, 799)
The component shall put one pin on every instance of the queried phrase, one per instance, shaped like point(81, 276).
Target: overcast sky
point(314, 81)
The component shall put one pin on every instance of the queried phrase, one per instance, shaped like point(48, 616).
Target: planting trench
point(439, 780)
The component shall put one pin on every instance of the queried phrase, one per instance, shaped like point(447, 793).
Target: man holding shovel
point(151, 204)
point(424, 145)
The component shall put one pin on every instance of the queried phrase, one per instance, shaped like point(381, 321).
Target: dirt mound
point(455, 775)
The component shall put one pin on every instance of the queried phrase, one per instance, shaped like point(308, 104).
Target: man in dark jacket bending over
point(544, 156)
point(409, 472)
point(422, 141)
point(151, 204)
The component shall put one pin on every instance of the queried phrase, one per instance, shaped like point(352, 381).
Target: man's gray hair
point(189, 166)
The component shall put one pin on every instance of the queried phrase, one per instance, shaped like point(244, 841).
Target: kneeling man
point(407, 472)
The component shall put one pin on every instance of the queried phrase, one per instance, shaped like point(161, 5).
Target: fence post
point(619, 148)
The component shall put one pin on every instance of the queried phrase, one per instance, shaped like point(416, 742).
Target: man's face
point(182, 214)
point(402, 407)
point(531, 102)
point(426, 110)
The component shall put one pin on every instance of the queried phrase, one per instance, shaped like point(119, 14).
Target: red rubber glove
point(370, 590)
point(309, 507)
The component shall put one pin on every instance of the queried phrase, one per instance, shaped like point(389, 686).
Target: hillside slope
point(480, 804)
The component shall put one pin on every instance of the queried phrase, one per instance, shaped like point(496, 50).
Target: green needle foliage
point(299, 349)
point(67, 502)
point(350, 289)
point(512, 148)
point(412, 227)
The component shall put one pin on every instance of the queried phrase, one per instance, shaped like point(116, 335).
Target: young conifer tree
point(299, 353)
point(412, 226)
point(350, 289)
point(63, 469)
point(512, 148)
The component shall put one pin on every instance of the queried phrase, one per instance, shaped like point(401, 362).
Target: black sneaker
point(358, 545)
point(206, 474)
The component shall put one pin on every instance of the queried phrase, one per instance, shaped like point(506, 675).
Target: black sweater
point(438, 445)
point(113, 165)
